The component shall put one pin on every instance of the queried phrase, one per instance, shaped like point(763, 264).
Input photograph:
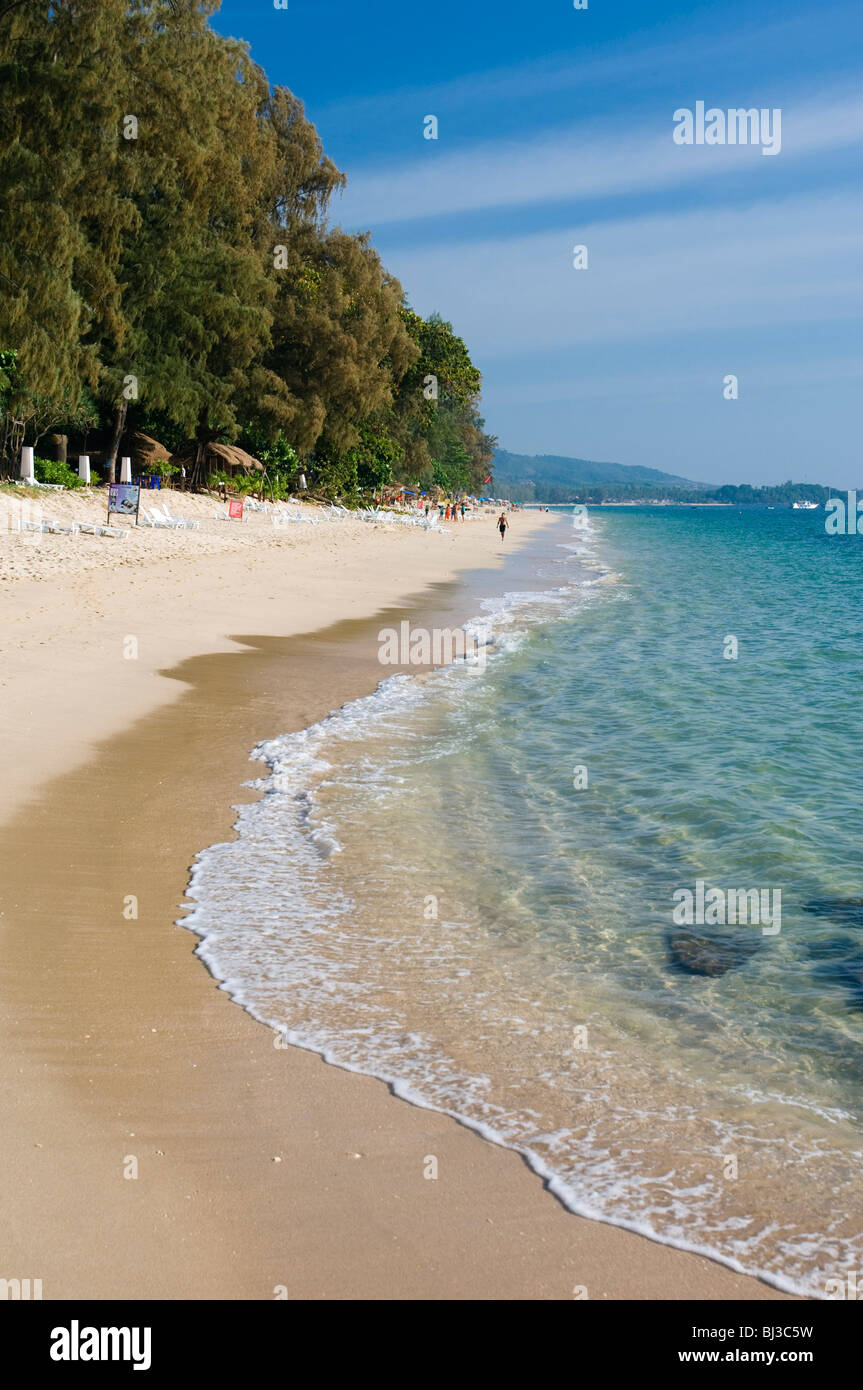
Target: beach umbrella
point(27, 464)
point(84, 467)
point(144, 451)
point(125, 470)
point(217, 456)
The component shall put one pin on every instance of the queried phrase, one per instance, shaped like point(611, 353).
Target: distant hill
point(530, 477)
point(551, 478)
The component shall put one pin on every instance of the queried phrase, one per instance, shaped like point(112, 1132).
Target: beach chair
point(153, 517)
point(174, 522)
point(178, 521)
point(92, 528)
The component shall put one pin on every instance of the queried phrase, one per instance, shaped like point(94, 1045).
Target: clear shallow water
point(423, 894)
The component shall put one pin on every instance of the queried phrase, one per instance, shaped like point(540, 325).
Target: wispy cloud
point(583, 162)
point(780, 262)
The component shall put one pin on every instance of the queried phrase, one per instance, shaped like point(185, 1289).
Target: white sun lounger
point(153, 517)
point(161, 514)
point(92, 528)
point(47, 527)
point(178, 521)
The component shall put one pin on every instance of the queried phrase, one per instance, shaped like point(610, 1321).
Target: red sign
point(235, 508)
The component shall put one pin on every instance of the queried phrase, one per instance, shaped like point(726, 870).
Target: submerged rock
point(837, 909)
point(839, 961)
point(849, 974)
point(713, 953)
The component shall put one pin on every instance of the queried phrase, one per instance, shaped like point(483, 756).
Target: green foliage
point(24, 414)
point(161, 468)
point(241, 484)
point(341, 352)
point(47, 471)
point(783, 494)
point(445, 431)
point(452, 473)
point(278, 456)
point(333, 473)
point(192, 253)
point(8, 374)
point(375, 455)
point(246, 483)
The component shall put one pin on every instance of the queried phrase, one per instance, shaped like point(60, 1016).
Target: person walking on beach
point(502, 524)
point(462, 511)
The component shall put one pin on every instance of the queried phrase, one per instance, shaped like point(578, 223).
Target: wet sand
point(259, 1168)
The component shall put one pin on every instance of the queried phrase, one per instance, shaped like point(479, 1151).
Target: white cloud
point(793, 261)
point(582, 162)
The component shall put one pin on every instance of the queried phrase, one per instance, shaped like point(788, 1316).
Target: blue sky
point(555, 130)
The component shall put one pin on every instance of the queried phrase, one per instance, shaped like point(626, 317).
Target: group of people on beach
point(449, 511)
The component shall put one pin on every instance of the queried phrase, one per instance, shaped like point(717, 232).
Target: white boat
point(804, 506)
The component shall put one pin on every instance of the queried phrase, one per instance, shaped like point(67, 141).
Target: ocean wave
point(312, 919)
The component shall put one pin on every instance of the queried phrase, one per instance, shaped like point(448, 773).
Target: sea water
point(465, 882)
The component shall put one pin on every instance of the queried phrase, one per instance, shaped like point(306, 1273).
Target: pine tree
point(61, 214)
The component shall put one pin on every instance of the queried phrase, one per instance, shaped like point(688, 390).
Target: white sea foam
point(285, 931)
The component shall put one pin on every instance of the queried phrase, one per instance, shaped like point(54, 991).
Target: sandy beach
point(157, 1142)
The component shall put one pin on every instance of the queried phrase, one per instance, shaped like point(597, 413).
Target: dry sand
point(259, 1168)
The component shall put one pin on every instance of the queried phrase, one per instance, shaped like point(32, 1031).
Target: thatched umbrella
point(224, 456)
point(213, 457)
point(143, 451)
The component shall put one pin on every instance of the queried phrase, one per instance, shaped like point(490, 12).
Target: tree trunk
point(197, 481)
point(116, 436)
point(60, 444)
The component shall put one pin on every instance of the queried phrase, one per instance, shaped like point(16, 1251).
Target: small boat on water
point(804, 506)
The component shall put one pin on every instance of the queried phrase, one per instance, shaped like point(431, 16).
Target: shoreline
point(258, 1167)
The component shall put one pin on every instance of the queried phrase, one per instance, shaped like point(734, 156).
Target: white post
point(84, 467)
point(125, 470)
point(27, 472)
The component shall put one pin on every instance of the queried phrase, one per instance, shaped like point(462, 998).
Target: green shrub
point(245, 483)
point(47, 471)
point(161, 468)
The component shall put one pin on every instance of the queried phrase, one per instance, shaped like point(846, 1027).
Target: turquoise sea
point(465, 883)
